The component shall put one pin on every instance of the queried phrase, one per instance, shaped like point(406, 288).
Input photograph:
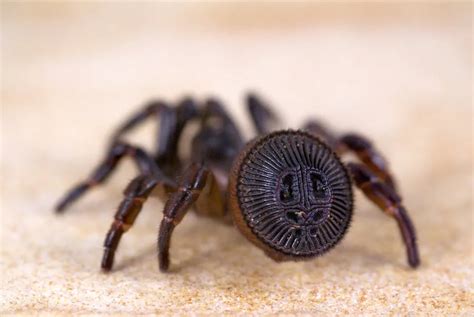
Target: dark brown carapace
point(287, 191)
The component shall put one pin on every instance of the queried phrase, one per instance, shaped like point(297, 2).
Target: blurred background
point(401, 73)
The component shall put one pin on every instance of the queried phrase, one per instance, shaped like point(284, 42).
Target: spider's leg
point(357, 144)
point(167, 148)
point(171, 121)
point(144, 162)
point(263, 118)
point(319, 129)
point(214, 109)
point(135, 194)
point(390, 202)
point(367, 154)
point(218, 139)
point(150, 109)
point(190, 186)
point(171, 125)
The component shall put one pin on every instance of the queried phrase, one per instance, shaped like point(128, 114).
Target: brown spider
point(287, 191)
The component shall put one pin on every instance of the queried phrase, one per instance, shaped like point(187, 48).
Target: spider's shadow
point(135, 260)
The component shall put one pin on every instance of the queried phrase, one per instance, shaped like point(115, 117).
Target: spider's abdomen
point(291, 195)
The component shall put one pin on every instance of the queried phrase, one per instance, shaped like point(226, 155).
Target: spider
point(287, 191)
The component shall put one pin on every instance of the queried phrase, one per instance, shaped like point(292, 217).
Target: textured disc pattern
point(295, 194)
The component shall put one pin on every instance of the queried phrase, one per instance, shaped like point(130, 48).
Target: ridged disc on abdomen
point(295, 194)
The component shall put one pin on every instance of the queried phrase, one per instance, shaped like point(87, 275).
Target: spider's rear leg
point(319, 129)
point(357, 144)
point(263, 118)
point(374, 178)
point(190, 187)
point(368, 154)
point(119, 150)
point(390, 202)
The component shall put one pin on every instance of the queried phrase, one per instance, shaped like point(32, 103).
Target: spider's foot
point(413, 256)
point(70, 197)
point(414, 263)
point(163, 262)
point(107, 261)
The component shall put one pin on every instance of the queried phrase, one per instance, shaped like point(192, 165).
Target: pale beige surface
point(402, 74)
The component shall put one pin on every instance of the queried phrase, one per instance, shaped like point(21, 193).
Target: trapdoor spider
point(287, 191)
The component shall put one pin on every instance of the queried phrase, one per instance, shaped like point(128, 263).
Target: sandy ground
point(401, 74)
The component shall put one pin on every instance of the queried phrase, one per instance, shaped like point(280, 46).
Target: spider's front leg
point(385, 196)
point(189, 188)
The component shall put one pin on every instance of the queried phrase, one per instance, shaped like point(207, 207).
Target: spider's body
point(287, 191)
